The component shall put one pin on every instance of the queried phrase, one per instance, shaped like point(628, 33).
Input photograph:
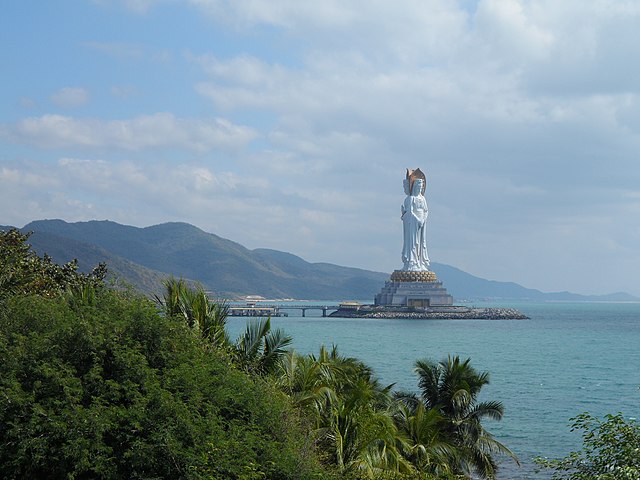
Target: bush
point(111, 389)
point(611, 451)
point(22, 271)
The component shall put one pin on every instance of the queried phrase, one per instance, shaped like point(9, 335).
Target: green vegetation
point(100, 383)
point(256, 351)
point(351, 413)
point(450, 390)
point(24, 272)
point(369, 432)
point(113, 390)
point(611, 451)
point(200, 313)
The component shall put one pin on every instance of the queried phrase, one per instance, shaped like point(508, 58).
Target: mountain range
point(144, 257)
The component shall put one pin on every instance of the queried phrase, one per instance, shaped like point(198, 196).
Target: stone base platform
point(413, 289)
point(433, 313)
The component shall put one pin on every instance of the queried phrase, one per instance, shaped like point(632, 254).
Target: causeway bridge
point(265, 310)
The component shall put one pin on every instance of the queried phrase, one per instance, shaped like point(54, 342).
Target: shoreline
point(432, 313)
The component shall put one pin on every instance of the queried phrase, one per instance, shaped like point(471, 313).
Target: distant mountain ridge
point(180, 249)
point(145, 256)
point(470, 287)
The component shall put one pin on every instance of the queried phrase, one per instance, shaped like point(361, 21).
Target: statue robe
point(414, 220)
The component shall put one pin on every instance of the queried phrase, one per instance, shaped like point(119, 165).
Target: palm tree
point(425, 446)
point(207, 317)
point(171, 301)
point(362, 434)
point(82, 294)
point(351, 412)
point(259, 348)
point(299, 377)
point(451, 388)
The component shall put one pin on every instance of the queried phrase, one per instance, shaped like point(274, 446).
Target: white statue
point(414, 220)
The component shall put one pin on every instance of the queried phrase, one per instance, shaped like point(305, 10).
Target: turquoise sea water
point(567, 359)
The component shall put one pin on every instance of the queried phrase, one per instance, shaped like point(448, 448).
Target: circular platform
point(406, 276)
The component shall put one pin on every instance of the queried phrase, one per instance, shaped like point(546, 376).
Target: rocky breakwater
point(433, 313)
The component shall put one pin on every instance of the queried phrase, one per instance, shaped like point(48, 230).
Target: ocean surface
point(567, 359)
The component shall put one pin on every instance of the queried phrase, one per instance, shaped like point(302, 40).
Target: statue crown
point(413, 175)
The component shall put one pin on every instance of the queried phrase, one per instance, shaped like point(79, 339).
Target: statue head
point(417, 188)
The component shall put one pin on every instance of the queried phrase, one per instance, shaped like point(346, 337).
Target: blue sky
point(288, 125)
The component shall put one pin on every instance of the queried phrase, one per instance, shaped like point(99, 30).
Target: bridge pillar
point(324, 311)
point(304, 311)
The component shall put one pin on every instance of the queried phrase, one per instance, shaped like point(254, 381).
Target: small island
point(414, 291)
point(453, 312)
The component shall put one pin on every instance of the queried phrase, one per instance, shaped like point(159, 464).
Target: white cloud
point(70, 97)
point(144, 193)
point(470, 95)
point(27, 178)
point(408, 29)
point(162, 130)
point(508, 27)
point(284, 13)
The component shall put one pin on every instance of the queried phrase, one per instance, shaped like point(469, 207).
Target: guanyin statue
point(414, 221)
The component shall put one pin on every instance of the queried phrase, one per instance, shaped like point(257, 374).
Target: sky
point(289, 125)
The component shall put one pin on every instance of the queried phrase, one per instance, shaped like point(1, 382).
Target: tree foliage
point(22, 271)
point(96, 383)
point(351, 413)
point(425, 445)
point(113, 390)
point(257, 350)
point(368, 432)
point(450, 388)
point(193, 306)
point(611, 450)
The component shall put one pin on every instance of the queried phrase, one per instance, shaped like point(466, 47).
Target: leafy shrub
point(611, 450)
point(110, 389)
point(22, 271)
